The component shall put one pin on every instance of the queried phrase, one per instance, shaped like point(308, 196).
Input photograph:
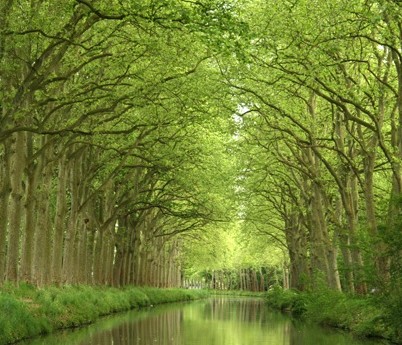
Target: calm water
point(216, 321)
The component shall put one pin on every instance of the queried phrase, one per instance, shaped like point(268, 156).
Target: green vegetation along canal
point(214, 321)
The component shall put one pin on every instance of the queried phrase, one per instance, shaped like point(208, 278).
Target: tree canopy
point(241, 143)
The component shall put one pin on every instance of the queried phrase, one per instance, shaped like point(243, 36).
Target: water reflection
point(218, 321)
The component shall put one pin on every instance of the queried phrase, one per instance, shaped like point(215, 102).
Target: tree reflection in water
point(216, 321)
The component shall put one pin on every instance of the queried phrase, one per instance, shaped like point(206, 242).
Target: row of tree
point(119, 148)
point(109, 137)
point(320, 131)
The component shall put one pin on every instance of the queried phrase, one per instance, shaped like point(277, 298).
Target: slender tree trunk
point(30, 225)
point(254, 280)
point(109, 258)
point(80, 248)
point(69, 270)
point(247, 279)
point(89, 266)
point(378, 248)
point(333, 254)
point(5, 190)
point(136, 260)
point(91, 227)
point(318, 239)
point(59, 222)
point(395, 205)
point(82, 252)
point(98, 257)
point(18, 165)
point(297, 244)
point(132, 250)
point(43, 234)
point(118, 269)
point(262, 280)
point(286, 280)
point(358, 265)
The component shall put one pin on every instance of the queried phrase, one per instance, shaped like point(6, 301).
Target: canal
point(214, 321)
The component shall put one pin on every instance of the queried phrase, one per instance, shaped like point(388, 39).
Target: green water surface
point(214, 321)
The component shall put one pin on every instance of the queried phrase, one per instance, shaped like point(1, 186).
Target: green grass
point(26, 311)
point(364, 316)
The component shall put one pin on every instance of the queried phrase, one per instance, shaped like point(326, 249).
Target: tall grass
point(26, 311)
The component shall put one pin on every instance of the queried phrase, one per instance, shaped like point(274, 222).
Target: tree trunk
point(262, 280)
point(297, 244)
point(30, 219)
point(358, 265)
point(59, 222)
point(18, 165)
point(286, 280)
point(318, 239)
point(43, 233)
point(69, 270)
point(5, 190)
point(89, 264)
point(109, 257)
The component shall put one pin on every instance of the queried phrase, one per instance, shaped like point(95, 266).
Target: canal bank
point(365, 316)
point(26, 311)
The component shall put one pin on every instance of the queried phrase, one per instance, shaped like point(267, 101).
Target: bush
point(393, 313)
point(287, 300)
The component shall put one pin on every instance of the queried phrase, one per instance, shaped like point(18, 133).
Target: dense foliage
point(320, 137)
point(242, 143)
point(112, 137)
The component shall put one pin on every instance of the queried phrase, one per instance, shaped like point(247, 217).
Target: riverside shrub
point(364, 316)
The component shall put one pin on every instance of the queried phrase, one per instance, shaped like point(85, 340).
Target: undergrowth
point(366, 316)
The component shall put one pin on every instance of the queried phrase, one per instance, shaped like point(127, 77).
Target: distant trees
point(225, 257)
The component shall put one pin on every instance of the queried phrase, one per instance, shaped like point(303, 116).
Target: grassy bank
point(26, 311)
point(372, 316)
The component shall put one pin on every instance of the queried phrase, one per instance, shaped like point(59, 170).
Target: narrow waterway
point(215, 321)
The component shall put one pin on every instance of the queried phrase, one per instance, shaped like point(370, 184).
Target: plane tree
point(327, 86)
point(86, 95)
